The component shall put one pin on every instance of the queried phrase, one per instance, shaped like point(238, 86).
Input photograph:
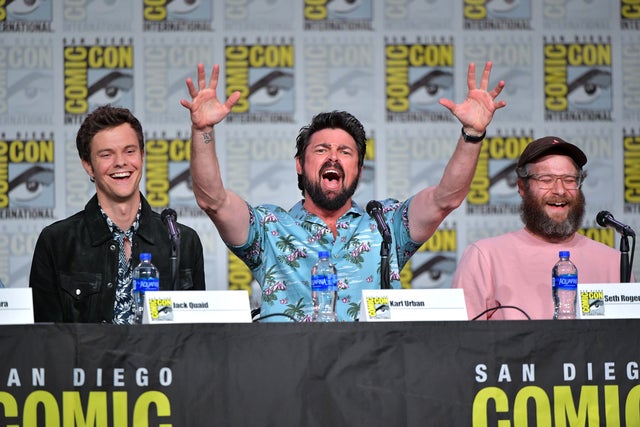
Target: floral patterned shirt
point(282, 247)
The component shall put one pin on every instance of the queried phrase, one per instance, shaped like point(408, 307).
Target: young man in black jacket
point(82, 266)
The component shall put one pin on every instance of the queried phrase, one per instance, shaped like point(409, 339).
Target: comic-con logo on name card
point(417, 75)
point(578, 79)
point(27, 176)
point(591, 303)
point(631, 168)
point(177, 15)
point(167, 175)
point(26, 16)
point(263, 73)
point(494, 189)
point(96, 74)
point(326, 15)
point(497, 15)
point(26, 82)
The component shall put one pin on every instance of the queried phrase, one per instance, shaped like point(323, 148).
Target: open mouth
point(331, 177)
point(120, 175)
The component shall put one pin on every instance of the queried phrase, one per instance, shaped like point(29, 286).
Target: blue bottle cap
point(145, 256)
point(323, 254)
point(563, 254)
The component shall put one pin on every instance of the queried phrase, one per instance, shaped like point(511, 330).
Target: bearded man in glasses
point(506, 275)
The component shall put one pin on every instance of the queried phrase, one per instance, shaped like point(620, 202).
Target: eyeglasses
point(547, 181)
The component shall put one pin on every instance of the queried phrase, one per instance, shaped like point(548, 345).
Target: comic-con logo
point(631, 150)
point(27, 173)
point(330, 15)
point(629, 15)
point(26, 16)
point(433, 265)
point(95, 75)
point(577, 80)
point(416, 77)
point(264, 76)
point(26, 83)
point(167, 176)
point(494, 188)
point(167, 15)
point(497, 15)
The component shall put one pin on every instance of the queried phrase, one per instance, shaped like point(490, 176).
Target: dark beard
point(538, 222)
point(315, 193)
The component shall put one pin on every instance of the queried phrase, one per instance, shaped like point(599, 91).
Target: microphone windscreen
point(601, 218)
point(168, 213)
point(373, 205)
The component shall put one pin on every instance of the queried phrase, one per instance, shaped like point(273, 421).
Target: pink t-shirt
point(515, 269)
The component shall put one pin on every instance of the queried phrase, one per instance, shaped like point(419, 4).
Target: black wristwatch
point(473, 139)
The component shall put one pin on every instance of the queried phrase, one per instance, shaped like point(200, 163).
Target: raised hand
point(477, 110)
point(206, 110)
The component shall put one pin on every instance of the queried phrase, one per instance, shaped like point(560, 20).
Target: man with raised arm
point(281, 246)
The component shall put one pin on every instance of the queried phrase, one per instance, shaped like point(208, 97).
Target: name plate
point(16, 306)
point(224, 306)
point(399, 305)
point(608, 301)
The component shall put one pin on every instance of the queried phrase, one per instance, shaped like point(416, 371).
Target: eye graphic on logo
point(98, 7)
point(435, 273)
point(271, 88)
point(429, 88)
point(30, 183)
point(22, 7)
point(343, 6)
point(110, 89)
point(502, 6)
point(182, 6)
point(588, 87)
point(503, 184)
point(352, 84)
point(180, 187)
point(34, 89)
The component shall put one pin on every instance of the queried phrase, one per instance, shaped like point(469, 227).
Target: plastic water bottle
point(565, 286)
point(145, 278)
point(324, 289)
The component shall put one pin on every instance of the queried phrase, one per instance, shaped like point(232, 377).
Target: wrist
point(472, 138)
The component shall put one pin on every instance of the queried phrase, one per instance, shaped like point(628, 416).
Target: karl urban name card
point(401, 305)
point(608, 301)
point(224, 306)
point(16, 306)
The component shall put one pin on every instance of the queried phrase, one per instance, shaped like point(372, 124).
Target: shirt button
point(109, 285)
point(112, 248)
point(78, 291)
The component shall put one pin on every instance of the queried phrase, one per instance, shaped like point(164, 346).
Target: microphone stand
point(384, 261)
point(625, 270)
point(174, 259)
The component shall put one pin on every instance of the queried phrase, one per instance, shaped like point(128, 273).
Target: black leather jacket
point(74, 271)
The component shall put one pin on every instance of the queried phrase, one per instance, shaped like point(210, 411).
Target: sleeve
point(251, 251)
point(473, 275)
point(398, 217)
point(43, 282)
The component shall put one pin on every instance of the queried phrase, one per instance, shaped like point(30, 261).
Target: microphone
point(605, 219)
point(374, 209)
point(168, 217)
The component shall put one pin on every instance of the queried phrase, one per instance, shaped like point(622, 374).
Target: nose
point(558, 186)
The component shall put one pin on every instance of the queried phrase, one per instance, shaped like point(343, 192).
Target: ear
point(298, 166)
point(521, 187)
point(88, 168)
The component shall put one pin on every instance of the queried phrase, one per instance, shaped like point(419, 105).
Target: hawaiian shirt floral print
point(282, 247)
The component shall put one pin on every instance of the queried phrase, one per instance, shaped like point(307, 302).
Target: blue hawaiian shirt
point(282, 247)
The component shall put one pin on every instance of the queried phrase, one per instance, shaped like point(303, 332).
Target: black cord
point(494, 309)
point(273, 315)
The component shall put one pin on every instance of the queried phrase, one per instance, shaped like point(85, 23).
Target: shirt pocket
point(80, 286)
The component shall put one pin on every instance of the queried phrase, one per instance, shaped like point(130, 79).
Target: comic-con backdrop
point(572, 69)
